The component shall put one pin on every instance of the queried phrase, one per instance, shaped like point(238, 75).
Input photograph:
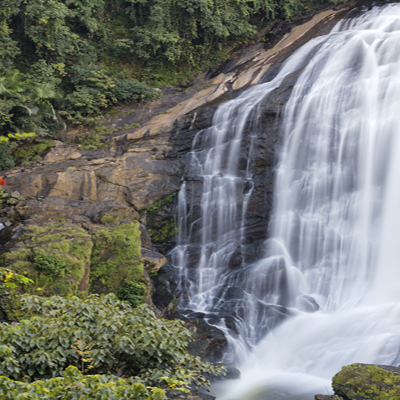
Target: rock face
point(365, 382)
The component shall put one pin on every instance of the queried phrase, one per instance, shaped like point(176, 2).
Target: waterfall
point(326, 292)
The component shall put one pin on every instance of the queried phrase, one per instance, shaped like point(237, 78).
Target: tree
point(18, 95)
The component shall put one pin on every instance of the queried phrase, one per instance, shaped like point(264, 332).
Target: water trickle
point(327, 292)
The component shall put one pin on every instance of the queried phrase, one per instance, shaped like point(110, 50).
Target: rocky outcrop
point(365, 382)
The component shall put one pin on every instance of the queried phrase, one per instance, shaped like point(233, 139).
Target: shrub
point(133, 292)
point(73, 385)
point(94, 141)
point(27, 152)
point(102, 334)
point(132, 90)
point(6, 160)
point(9, 281)
point(50, 264)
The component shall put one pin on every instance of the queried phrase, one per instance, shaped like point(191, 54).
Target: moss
point(31, 152)
point(159, 225)
point(70, 245)
point(166, 231)
point(94, 141)
point(366, 382)
point(160, 203)
point(109, 219)
point(116, 257)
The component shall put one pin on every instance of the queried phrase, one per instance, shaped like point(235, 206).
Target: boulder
point(367, 382)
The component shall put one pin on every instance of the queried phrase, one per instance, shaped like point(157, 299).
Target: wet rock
point(164, 296)
point(153, 261)
point(236, 259)
point(209, 342)
point(232, 373)
point(198, 396)
point(234, 292)
point(307, 303)
point(367, 382)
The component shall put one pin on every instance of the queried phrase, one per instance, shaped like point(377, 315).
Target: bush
point(132, 90)
point(9, 281)
point(133, 292)
point(73, 385)
point(6, 160)
point(102, 334)
point(94, 141)
point(27, 152)
point(50, 264)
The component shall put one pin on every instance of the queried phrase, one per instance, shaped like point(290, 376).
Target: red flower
point(2, 181)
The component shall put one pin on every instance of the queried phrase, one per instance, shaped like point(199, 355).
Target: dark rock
point(234, 292)
point(236, 259)
point(209, 342)
point(232, 373)
point(198, 396)
point(165, 286)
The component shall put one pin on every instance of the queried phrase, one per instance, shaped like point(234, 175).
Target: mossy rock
point(116, 256)
point(367, 382)
point(55, 256)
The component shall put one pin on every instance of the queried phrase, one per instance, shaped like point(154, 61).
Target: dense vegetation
point(68, 338)
point(66, 61)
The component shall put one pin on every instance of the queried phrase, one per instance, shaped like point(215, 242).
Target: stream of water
point(327, 291)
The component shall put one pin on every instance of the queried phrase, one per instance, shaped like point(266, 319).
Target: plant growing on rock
point(50, 264)
point(116, 256)
point(55, 256)
point(124, 341)
point(133, 292)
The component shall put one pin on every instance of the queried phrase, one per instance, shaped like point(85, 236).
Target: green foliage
point(160, 228)
point(133, 91)
point(167, 230)
point(92, 93)
point(160, 203)
point(115, 257)
point(109, 219)
point(96, 89)
point(187, 30)
point(50, 264)
point(55, 257)
point(24, 104)
point(93, 50)
point(6, 160)
point(27, 152)
point(94, 141)
point(9, 283)
point(120, 340)
point(74, 386)
point(133, 292)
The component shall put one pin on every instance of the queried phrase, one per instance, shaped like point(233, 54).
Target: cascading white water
point(335, 232)
point(336, 222)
